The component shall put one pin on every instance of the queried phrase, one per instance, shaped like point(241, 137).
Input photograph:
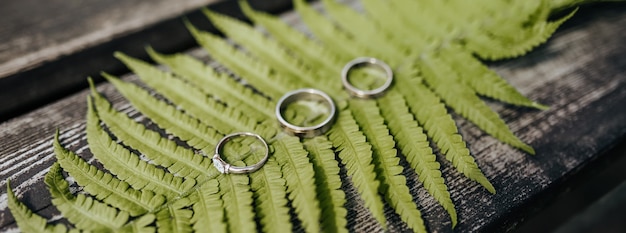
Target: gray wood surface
point(580, 73)
point(49, 47)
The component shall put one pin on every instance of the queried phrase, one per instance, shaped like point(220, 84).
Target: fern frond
point(416, 149)
point(273, 54)
point(143, 224)
point(220, 85)
point(309, 50)
point(421, 20)
point(28, 221)
point(104, 186)
point(298, 172)
point(255, 73)
point(208, 205)
point(127, 166)
point(484, 81)
point(533, 36)
point(389, 172)
point(440, 127)
point(82, 210)
point(187, 128)
point(177, 159)
point(356, 155)
point(328, 183)
point(237, 197)
point(175, 218)
point(328, 33)
point(270, 196)
point(364, 32)
point(186, 96)
point(465, 102)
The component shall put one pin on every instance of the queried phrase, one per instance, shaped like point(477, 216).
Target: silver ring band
point(303, 94)
point(366, 93)
point(226, 168)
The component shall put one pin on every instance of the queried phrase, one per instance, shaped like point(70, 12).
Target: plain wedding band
point(305, 94)
point(226, 168)
point(354, 91)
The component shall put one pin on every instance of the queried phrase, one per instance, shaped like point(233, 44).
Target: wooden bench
point(49, 48)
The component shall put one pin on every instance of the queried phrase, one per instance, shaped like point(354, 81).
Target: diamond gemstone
point(218, 164)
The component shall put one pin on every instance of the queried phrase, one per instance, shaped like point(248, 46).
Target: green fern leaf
point(223, 87)
point(28, 221)
point(187, 128)
point(188, 97)
point(174, 217)
point(82, 210)
point(127, 166)
point(235, 191)
point(415, 147)
point(104, 186)
point(484, 81)
point(329, 33)
point(492, 49)
point(357, 25)
point(393, 183)
point(299, 175)
point(328, 183)
point(270, 196)
point(141, 225)
point(440, 127)
point(177, 159)
point(208, 205)
point(355, 154)
point(273, 54)
point(465, 102)
point(255, 73)
point(310, 51)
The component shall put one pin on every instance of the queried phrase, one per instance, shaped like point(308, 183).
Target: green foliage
point(157, 175)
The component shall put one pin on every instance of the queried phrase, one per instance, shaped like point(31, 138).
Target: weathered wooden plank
point(580, 73)
point(48, 48)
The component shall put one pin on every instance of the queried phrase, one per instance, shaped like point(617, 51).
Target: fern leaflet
point(208, 205)
point(328, 183)
point(174, 217)
point(28, 221)
point(389, 172)
point(177, 159)
point(104, 186)
point(223, 87)
point(235, 191)
point(167, 116)
point(129, 167)
point(355, 154)
point(82, 210)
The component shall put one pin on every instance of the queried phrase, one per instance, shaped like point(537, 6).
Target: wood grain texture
point(580, 73)
point(49, 47)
